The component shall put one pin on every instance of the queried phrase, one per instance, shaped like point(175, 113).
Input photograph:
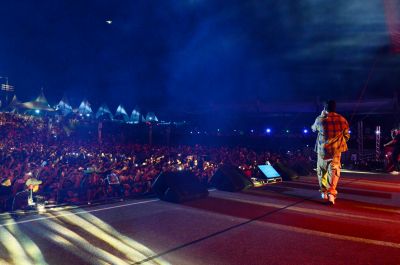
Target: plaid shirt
point(333, 134)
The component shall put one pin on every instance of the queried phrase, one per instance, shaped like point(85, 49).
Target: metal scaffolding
point(378, 142)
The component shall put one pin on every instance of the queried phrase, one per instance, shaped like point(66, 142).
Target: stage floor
point(282, 223)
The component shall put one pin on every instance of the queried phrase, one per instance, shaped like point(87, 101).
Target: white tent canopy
point(14, 105)
point(39, 104)
point(84, 108)
point(64, 107)
point(151, 117)
point(135, 116)
point(104, 113)
point(121, 114)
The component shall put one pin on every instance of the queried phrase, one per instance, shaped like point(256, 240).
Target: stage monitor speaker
point(178, 187)
point(302, 169)
point(230, 178)
point(285, 172)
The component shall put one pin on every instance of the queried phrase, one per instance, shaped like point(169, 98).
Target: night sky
point(192, 54)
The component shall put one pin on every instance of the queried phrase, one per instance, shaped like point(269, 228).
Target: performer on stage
point(333, 134)
point(395, 143)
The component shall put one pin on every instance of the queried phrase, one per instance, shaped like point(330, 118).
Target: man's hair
point(330, 106)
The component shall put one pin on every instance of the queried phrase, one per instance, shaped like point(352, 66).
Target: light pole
point(6, 88)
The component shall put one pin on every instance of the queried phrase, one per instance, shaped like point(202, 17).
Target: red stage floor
point(284, 223)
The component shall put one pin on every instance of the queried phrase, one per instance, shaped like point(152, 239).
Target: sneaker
point(331, 199)
point(324, 196)
point(395, 172)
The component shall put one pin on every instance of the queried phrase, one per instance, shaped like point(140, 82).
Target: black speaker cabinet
point(230, 178)
point(178, 187)
point(285, 172)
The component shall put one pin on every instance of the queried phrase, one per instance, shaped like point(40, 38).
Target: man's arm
point(346, 133)
point(314, 126)
point(317, 121)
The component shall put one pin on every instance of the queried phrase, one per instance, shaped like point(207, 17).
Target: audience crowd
point(40, 155)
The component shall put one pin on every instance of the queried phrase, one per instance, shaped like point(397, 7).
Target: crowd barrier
point(109, 189)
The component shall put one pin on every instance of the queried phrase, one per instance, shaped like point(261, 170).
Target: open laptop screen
point(268, 171)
